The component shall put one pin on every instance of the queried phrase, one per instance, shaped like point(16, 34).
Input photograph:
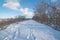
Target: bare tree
point(47, 14)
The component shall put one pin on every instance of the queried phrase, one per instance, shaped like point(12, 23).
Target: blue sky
point(11, 8)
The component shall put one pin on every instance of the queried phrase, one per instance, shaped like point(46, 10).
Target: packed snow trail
point(29, 30)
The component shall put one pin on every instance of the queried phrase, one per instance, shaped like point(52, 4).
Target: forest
point(48, 14)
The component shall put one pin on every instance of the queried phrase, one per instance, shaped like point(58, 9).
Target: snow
point(29, 30)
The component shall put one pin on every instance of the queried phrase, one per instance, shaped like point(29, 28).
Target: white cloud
point(14, 5)
point(53, 0)
point(11, 4)
point(27, 12)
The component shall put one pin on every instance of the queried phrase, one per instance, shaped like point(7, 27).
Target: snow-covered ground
point(29, 30)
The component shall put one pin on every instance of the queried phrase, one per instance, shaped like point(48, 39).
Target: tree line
point(47, 14)
point(9, 21)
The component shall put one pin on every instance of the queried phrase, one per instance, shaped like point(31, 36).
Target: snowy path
point(29, 30)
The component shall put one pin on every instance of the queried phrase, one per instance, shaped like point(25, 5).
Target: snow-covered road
point(29, 30)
